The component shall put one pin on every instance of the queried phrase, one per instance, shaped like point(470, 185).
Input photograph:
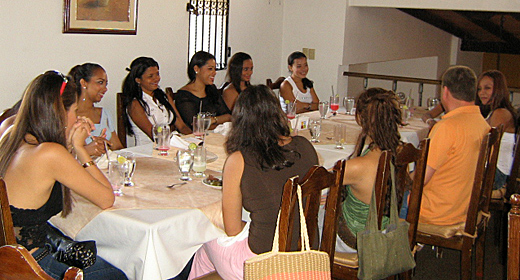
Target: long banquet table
point(151, 232)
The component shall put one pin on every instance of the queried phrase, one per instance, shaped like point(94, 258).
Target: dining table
point(151, 231)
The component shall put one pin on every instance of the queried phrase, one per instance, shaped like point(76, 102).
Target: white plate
point(205, 182)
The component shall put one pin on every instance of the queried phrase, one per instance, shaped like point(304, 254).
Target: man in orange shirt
point(454, 149)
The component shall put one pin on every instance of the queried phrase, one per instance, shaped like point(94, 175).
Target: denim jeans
point(500, 180)
point(100, 270)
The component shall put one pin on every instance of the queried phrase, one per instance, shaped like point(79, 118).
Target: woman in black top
point(200, 94)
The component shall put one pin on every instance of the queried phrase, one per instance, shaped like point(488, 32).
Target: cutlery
point(176, 185)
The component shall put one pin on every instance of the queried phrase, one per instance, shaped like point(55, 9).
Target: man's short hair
point(461, 81)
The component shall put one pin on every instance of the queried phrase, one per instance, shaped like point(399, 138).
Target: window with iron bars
point(208, 29)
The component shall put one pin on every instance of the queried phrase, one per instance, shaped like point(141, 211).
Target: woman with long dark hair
point(261, 157)
point(378, 114)
point(493, 96)
point(146, 104)
point(200, 93)
point(297, 87)
point(91, 82)
point(39, 170)
point(240, 69)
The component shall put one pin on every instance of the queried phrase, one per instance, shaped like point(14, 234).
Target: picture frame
point(100, 16)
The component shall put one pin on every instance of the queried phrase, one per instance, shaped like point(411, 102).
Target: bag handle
point(303, 226)
point(372, 212)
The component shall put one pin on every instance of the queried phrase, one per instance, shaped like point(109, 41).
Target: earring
point(196, 72)
point(84, 87)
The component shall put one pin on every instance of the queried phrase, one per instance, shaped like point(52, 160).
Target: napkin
point(102, 161)
point(223, 128)
point(178, 142)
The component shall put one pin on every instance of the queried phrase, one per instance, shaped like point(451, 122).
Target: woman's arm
point(286, 91)
point(231, 194)
point(502, 116)
point(429, 116)
point(115, 143)
point(138, 115)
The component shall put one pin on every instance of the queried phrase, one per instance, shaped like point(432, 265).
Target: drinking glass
point(115, 178)
point(324, 109)
point(127, 161)
point(291, 110)
point(315, 130)
point(185, 161)
point(349, 104)
point(199, 162)
point(340, 134)
point(294, 123)
point(163, 139)
point(334, 104)
point(155, 135)
point(198, 126)
point(405, 114)
point(207, 124)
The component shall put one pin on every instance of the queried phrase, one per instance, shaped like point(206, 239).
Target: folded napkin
point(223, 128)
point(102, 161)
point(178, 142)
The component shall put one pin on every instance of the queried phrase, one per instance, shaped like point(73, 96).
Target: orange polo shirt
point(454, 149)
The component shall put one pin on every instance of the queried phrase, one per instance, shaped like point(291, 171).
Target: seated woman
point(297, 88)
point(378, 114)
point(494, 96)
point(254, 175)
point(39, 171)
point(91, 82)
point(145, 104)
point(200, 94)
point(8, 117)
point(240, 69)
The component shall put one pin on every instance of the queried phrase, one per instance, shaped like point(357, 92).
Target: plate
point(208, 183)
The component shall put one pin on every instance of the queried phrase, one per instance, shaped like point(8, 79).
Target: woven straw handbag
point(275, 265)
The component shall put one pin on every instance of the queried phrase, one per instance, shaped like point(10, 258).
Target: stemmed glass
point(185, 161)
point(334, 104)
point(127, 161)
point(349, 104)
point(324, 109)
point(315, 130)
point(199, 162)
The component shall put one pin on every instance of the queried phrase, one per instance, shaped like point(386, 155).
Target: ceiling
point(491, 32)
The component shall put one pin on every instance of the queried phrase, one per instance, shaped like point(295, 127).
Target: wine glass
point(315, 130)
point(199, 162)
point(334, 104)
point(163, 139)
point(127, 161)
point(324, 109)
point(349, 104)
point(185, 161)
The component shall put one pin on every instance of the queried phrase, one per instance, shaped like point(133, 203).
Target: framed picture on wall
point(100, 16)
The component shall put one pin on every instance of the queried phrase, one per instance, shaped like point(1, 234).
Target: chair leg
point(479, 258)
point(465, 261)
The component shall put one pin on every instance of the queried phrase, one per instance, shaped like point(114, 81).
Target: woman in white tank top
point(297, 86)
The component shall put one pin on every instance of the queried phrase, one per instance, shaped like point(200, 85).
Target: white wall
point(318, 25)
point(32, 42)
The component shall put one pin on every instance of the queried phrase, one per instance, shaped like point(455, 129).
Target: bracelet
point(216, 120)
point(87, 164)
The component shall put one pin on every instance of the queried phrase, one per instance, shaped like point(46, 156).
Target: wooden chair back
point(121, 128)
point(17, 263)
point(484, 178)
point(276, 84)
point(407, 154)
point(513, 245)
point(512, 182)
point(6, 223)
point(316, 180)
point(169, 91)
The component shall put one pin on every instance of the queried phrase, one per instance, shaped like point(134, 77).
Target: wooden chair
point(462, 237)
point(169, 91)
point(513, 245)
point(276, 84)
point(407, 154)
point(345, 265)
point(121, 129)
point(15, 261)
